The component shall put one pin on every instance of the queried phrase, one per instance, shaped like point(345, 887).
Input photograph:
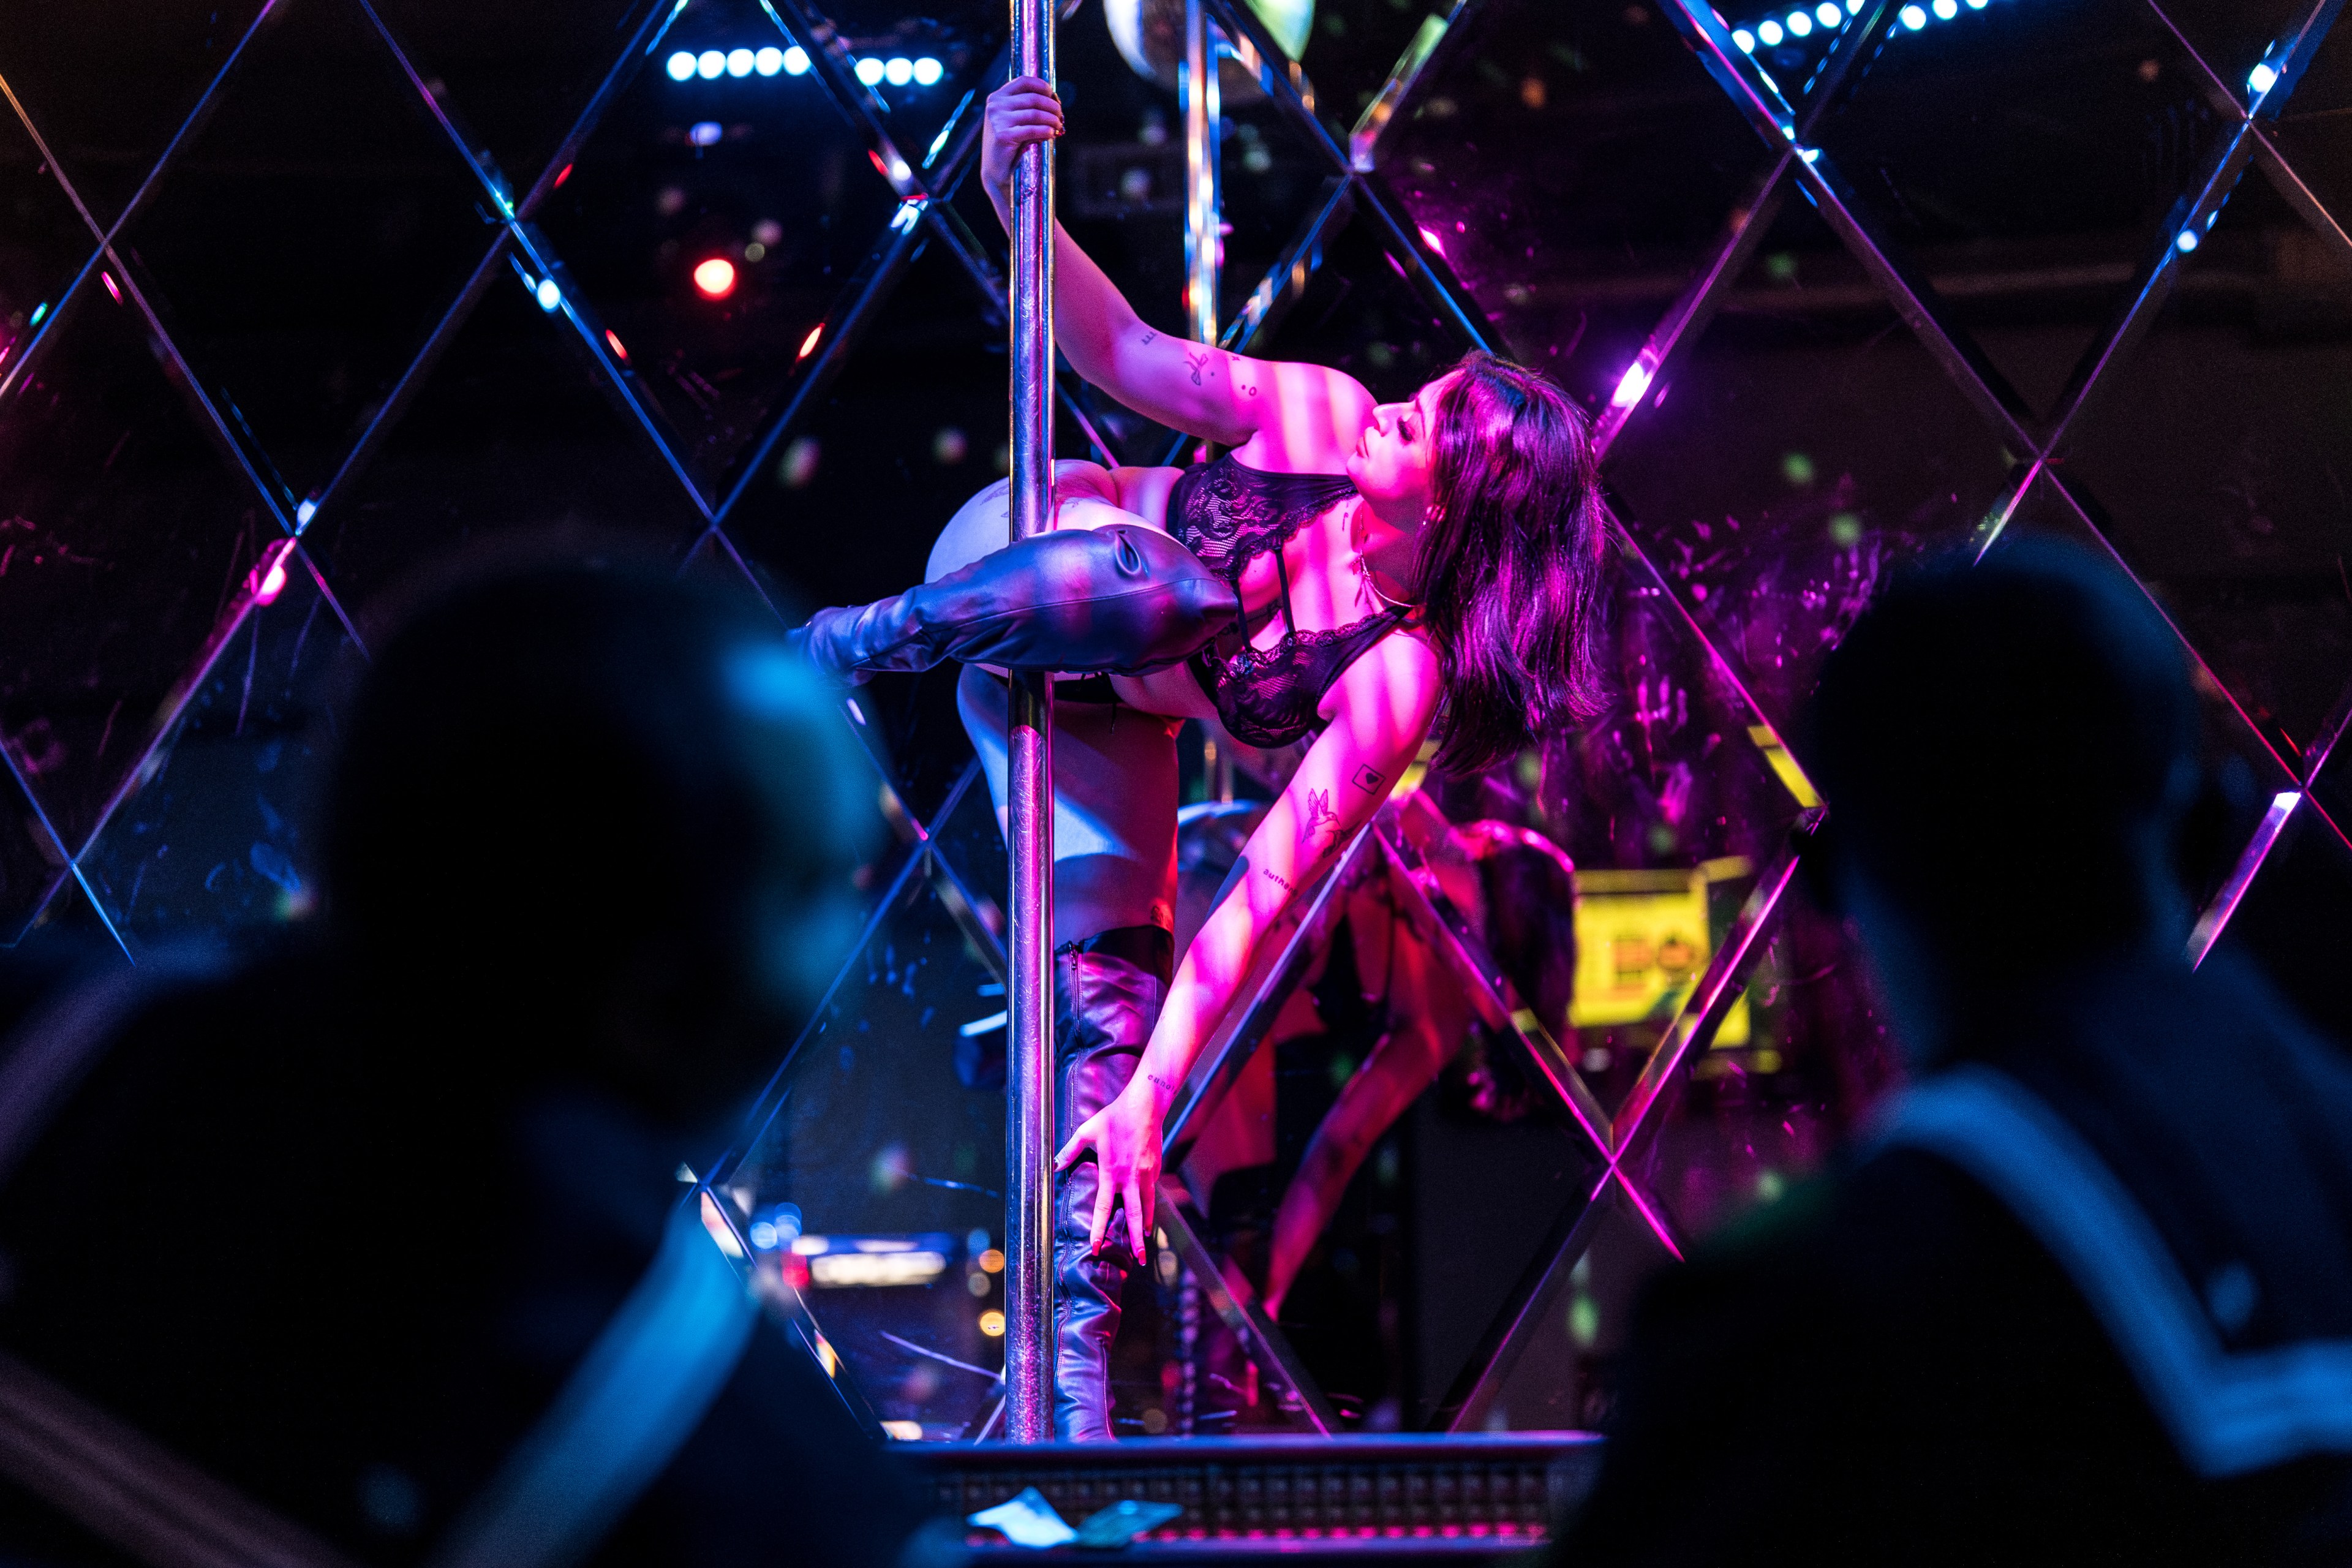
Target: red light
point(612, 339)
point(716, 278)
point(108, 279)
point(562, 176)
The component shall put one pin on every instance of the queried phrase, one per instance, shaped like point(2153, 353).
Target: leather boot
point(1107, 993)
point(1121, 600)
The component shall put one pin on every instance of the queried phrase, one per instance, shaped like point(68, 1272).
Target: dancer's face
point(1393, 459)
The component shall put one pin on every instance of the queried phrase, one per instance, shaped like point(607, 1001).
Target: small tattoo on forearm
point(1196, 363)
point(1149, 336)
point(1163, 1085)
point(1366, 779)
point(1278, 877)
point(1318, 810)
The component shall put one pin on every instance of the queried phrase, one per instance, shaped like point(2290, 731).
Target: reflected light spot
point(1827, 13)
point(1769, 33)
point(548, 294)
point(305, 512)
point(613, 341)
point(38, 312)
point(928, 72)
point(991, 1261)
point(1913, 17)
point(898, 71)
point(273, 582)
point(768, 61)
point(705, 132)
point(992, 1323)
point(808, 344)
point(869, 72)
point(1744, 40)
point(1948, 9)
point(1429, 238)
point(715, 278)
point(796, 61)
point(681, 66)
point(108, 279)
point(1799, 24)
point(709, 64)
point(2262, 78)
point(2188, 241)
point(560, 175)
point(798, 467)
point(755, 252)
point(739, 62)
point(1631, 385)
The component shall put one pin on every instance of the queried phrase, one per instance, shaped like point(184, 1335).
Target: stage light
point(1800, 25)
point(613, 341)
point(1913, 17)
point(2262, 78)
point(38, 312)
point(548, 295)
point(768, 61)
point(2186, 241)
point(681, 66)
point(739, 62)
point(305, 512)
point(273, 582)
point(1946, 9)
point(1974, 5)
point(1854, 7)
point(1767, 33)
point(992, 1323)
point(1744, 40)
point(1631, 385)
point(705, 132)
point(808, 344)
point(928, 72)
point(898, 71)
point(715, 278)
point(1828, 15)
point(112, 292)
point(710, 64)
point(796, 61)
point(869, 72)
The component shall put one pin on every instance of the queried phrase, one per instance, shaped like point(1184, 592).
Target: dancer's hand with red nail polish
point(1124, 1138)
point(1021, 111)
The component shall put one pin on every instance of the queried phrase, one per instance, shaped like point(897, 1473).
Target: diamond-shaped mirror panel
point(2297, 918)
point(1780, 472)
point(176, 856)
point(515, 428)
point(307, 240)
point(129, 541)
point(68, 935)
point(2024, 157)
point(1354, 46)
point(49, 243)
point(882, 1177)
point(710, 226)
point(930, 61)
point(515, 77)
point(2236, 36)
point(108, 83)
point(1359, 313)
point(1575, 165)
point(30, 859)
point(2217, 450)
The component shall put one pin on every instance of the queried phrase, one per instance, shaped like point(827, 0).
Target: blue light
point(1767, 33)
point(705, 132)
point(1744, 40)
point(681, 66)
point(38, 312)
point(928, 72)
point(768, 61)
point(548, 294)
point(1975, 5)
point(302, 516)
point(739, 62)
point(898, 71)
point(1913, 17)
point(1946, 9)
point(869, 72)
point(1800, 25)
point(796, 61)
point(1827, 13)
point(710, 64)
point(2262, 78)
point(2188, 241)
point(1854, 7)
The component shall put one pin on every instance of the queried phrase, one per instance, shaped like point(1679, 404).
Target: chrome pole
point(1029, 1079)
point(1196, 95)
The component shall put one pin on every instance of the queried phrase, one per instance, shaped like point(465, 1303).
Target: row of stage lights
point(713, 64)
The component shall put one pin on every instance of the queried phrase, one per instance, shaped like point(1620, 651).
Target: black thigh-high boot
point(1121, 600)
point(1107, 993)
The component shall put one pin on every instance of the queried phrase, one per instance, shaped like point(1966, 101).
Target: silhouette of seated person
point(340, 1227)
point(2082, 1293)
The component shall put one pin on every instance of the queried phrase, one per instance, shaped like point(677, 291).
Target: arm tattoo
point(1164, 1086)
point(1198, 363)
point(1278, 879)
point(1367, 780)
point(1149, 336)
point(1319, 812)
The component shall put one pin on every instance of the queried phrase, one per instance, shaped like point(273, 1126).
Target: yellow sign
point(1642, 943)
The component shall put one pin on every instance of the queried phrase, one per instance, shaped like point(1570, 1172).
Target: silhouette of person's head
point(2010, 754)
point(599, 821)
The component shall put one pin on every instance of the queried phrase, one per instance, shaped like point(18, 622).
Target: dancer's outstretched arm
point(1203, 391)
point(1382, 710)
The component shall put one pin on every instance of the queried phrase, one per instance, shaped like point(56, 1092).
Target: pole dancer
point(1345, 569)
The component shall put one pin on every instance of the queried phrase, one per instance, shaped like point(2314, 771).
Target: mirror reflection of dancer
point(1345, 568)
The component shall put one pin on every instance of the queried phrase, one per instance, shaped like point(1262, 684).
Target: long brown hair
point(1510, 562)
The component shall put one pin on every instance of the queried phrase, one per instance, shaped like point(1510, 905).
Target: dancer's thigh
point(1085, 495)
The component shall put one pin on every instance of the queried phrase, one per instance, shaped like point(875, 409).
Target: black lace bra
point(1228, 515)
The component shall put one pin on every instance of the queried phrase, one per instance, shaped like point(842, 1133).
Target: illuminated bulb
point(710, 64)
point(1630, 387)
point(796, 61)
point(768, 61)
point(681, 66)
point(739, 62)
point(1767, 32)
point(1854, 7)
point(992, 1323)
point(1913, 17)
point(1946, 9)
point(1744, 40)
point(1974, 5)
point(2188, 241)
point(869, 72)
point(1800, 25)
point(899, 71)
point(715, 278)
point(1828, 15)
point(928, 72)
point(548, 294)
point(705, 132)
point(2262, 78)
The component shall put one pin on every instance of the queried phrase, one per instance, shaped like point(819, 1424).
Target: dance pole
point(1029, 1078)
